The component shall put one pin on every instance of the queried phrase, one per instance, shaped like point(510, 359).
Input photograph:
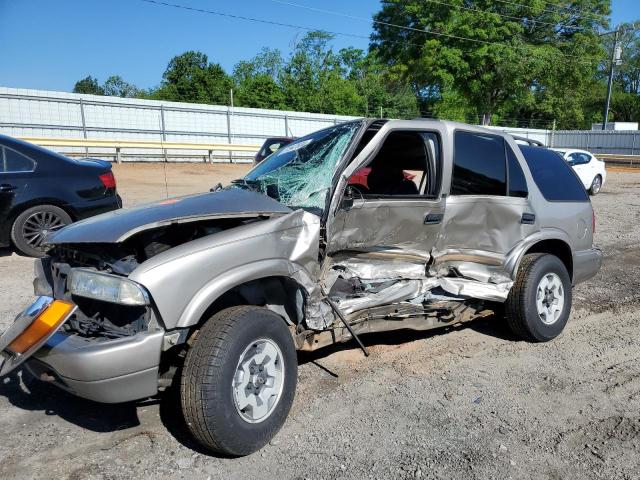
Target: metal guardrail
point(118, 145)
point(24, 110)
point(617, 159)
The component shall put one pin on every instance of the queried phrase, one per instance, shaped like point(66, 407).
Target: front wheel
point(539, 303)
point(239, 380)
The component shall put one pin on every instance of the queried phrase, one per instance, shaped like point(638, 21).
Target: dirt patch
point(141, 183)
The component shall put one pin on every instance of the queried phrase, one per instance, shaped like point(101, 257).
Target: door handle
point(433, 218)
point(6, 188)
point(528, 219)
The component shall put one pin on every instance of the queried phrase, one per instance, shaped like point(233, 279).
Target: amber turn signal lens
point(49, 320)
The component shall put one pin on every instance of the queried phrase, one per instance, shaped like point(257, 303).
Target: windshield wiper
point(250, 184)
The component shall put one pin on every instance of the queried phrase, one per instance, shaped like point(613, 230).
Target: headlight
point(106, 287)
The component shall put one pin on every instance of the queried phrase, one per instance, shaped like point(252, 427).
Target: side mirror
point(217, 187)
point(348, 199)
point(352, 198)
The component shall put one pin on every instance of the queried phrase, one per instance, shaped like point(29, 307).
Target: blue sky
point(49, 45)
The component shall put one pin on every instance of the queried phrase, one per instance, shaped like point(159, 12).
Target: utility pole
point(615, 60)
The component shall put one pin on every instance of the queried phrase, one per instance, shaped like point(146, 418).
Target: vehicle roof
point(446, 123)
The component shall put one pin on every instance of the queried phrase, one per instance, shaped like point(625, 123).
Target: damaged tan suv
point(367, 226)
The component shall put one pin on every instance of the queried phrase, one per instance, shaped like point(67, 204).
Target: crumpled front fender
point(184, 281)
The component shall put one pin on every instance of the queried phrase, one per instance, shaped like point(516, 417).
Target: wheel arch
point(553, 242)
point(555, 247)
point(285, 298)
point(34, 202)
point(278, 285)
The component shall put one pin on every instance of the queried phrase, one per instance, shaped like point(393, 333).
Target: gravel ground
point(459, 403)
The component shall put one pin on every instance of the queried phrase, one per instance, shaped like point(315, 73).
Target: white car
point(590, 170)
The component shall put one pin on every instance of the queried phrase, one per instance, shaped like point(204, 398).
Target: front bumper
point(586, 263)
point(103, 370)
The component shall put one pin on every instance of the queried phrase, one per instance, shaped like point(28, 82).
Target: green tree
point(88, 85)
point(260, 91)
point(383, 91)
point(268, 62)
point(495, 55)
point(257, 81)
point(115, 86)
point(190, 77)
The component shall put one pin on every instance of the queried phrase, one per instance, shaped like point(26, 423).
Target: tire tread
point(515, 306)
point(204, 367)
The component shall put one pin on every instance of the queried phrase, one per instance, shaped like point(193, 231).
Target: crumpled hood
point(118, 225)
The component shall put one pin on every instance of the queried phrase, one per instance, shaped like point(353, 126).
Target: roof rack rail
point(528, 141)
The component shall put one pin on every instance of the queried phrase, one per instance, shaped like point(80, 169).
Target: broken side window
point(405, 165)
point(300, 174)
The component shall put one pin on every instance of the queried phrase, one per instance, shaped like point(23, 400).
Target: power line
point(421, 30)
point(557, 5)
point(471, 9)
point(270, 22)
point(249, 19)
point(580, 11)
point(579, 58)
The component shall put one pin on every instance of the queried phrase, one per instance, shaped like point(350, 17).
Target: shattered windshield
point(299, 175)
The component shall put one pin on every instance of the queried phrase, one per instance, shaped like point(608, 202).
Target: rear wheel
point(239, 380)
point(539, 303)
point(596, 185)
point(32, 226)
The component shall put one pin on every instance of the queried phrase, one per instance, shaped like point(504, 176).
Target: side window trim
point(507, 149)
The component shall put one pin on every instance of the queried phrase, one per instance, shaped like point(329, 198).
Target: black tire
point(596, 185)
point(206, 389)
point(521, 306)
point(23, 235)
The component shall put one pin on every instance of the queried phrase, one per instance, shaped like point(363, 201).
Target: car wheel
point(539, 303)
point(596, 185)
point(239, 380)
point(32, 226)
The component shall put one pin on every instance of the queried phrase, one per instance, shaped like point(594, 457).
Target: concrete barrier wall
point(39, 113)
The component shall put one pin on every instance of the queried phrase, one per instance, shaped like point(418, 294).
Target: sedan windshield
point(300, 174)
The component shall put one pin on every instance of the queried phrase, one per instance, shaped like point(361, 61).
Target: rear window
point(555, 179)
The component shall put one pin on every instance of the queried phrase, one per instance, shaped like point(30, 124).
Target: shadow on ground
point(493, 326)
point(7, 252)
point(27, 393)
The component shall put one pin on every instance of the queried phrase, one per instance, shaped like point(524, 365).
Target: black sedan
point(42, 191)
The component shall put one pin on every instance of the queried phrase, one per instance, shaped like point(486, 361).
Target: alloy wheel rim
point(38, 225)
point(596, 185)
point(258, 380)
point(550, 298)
